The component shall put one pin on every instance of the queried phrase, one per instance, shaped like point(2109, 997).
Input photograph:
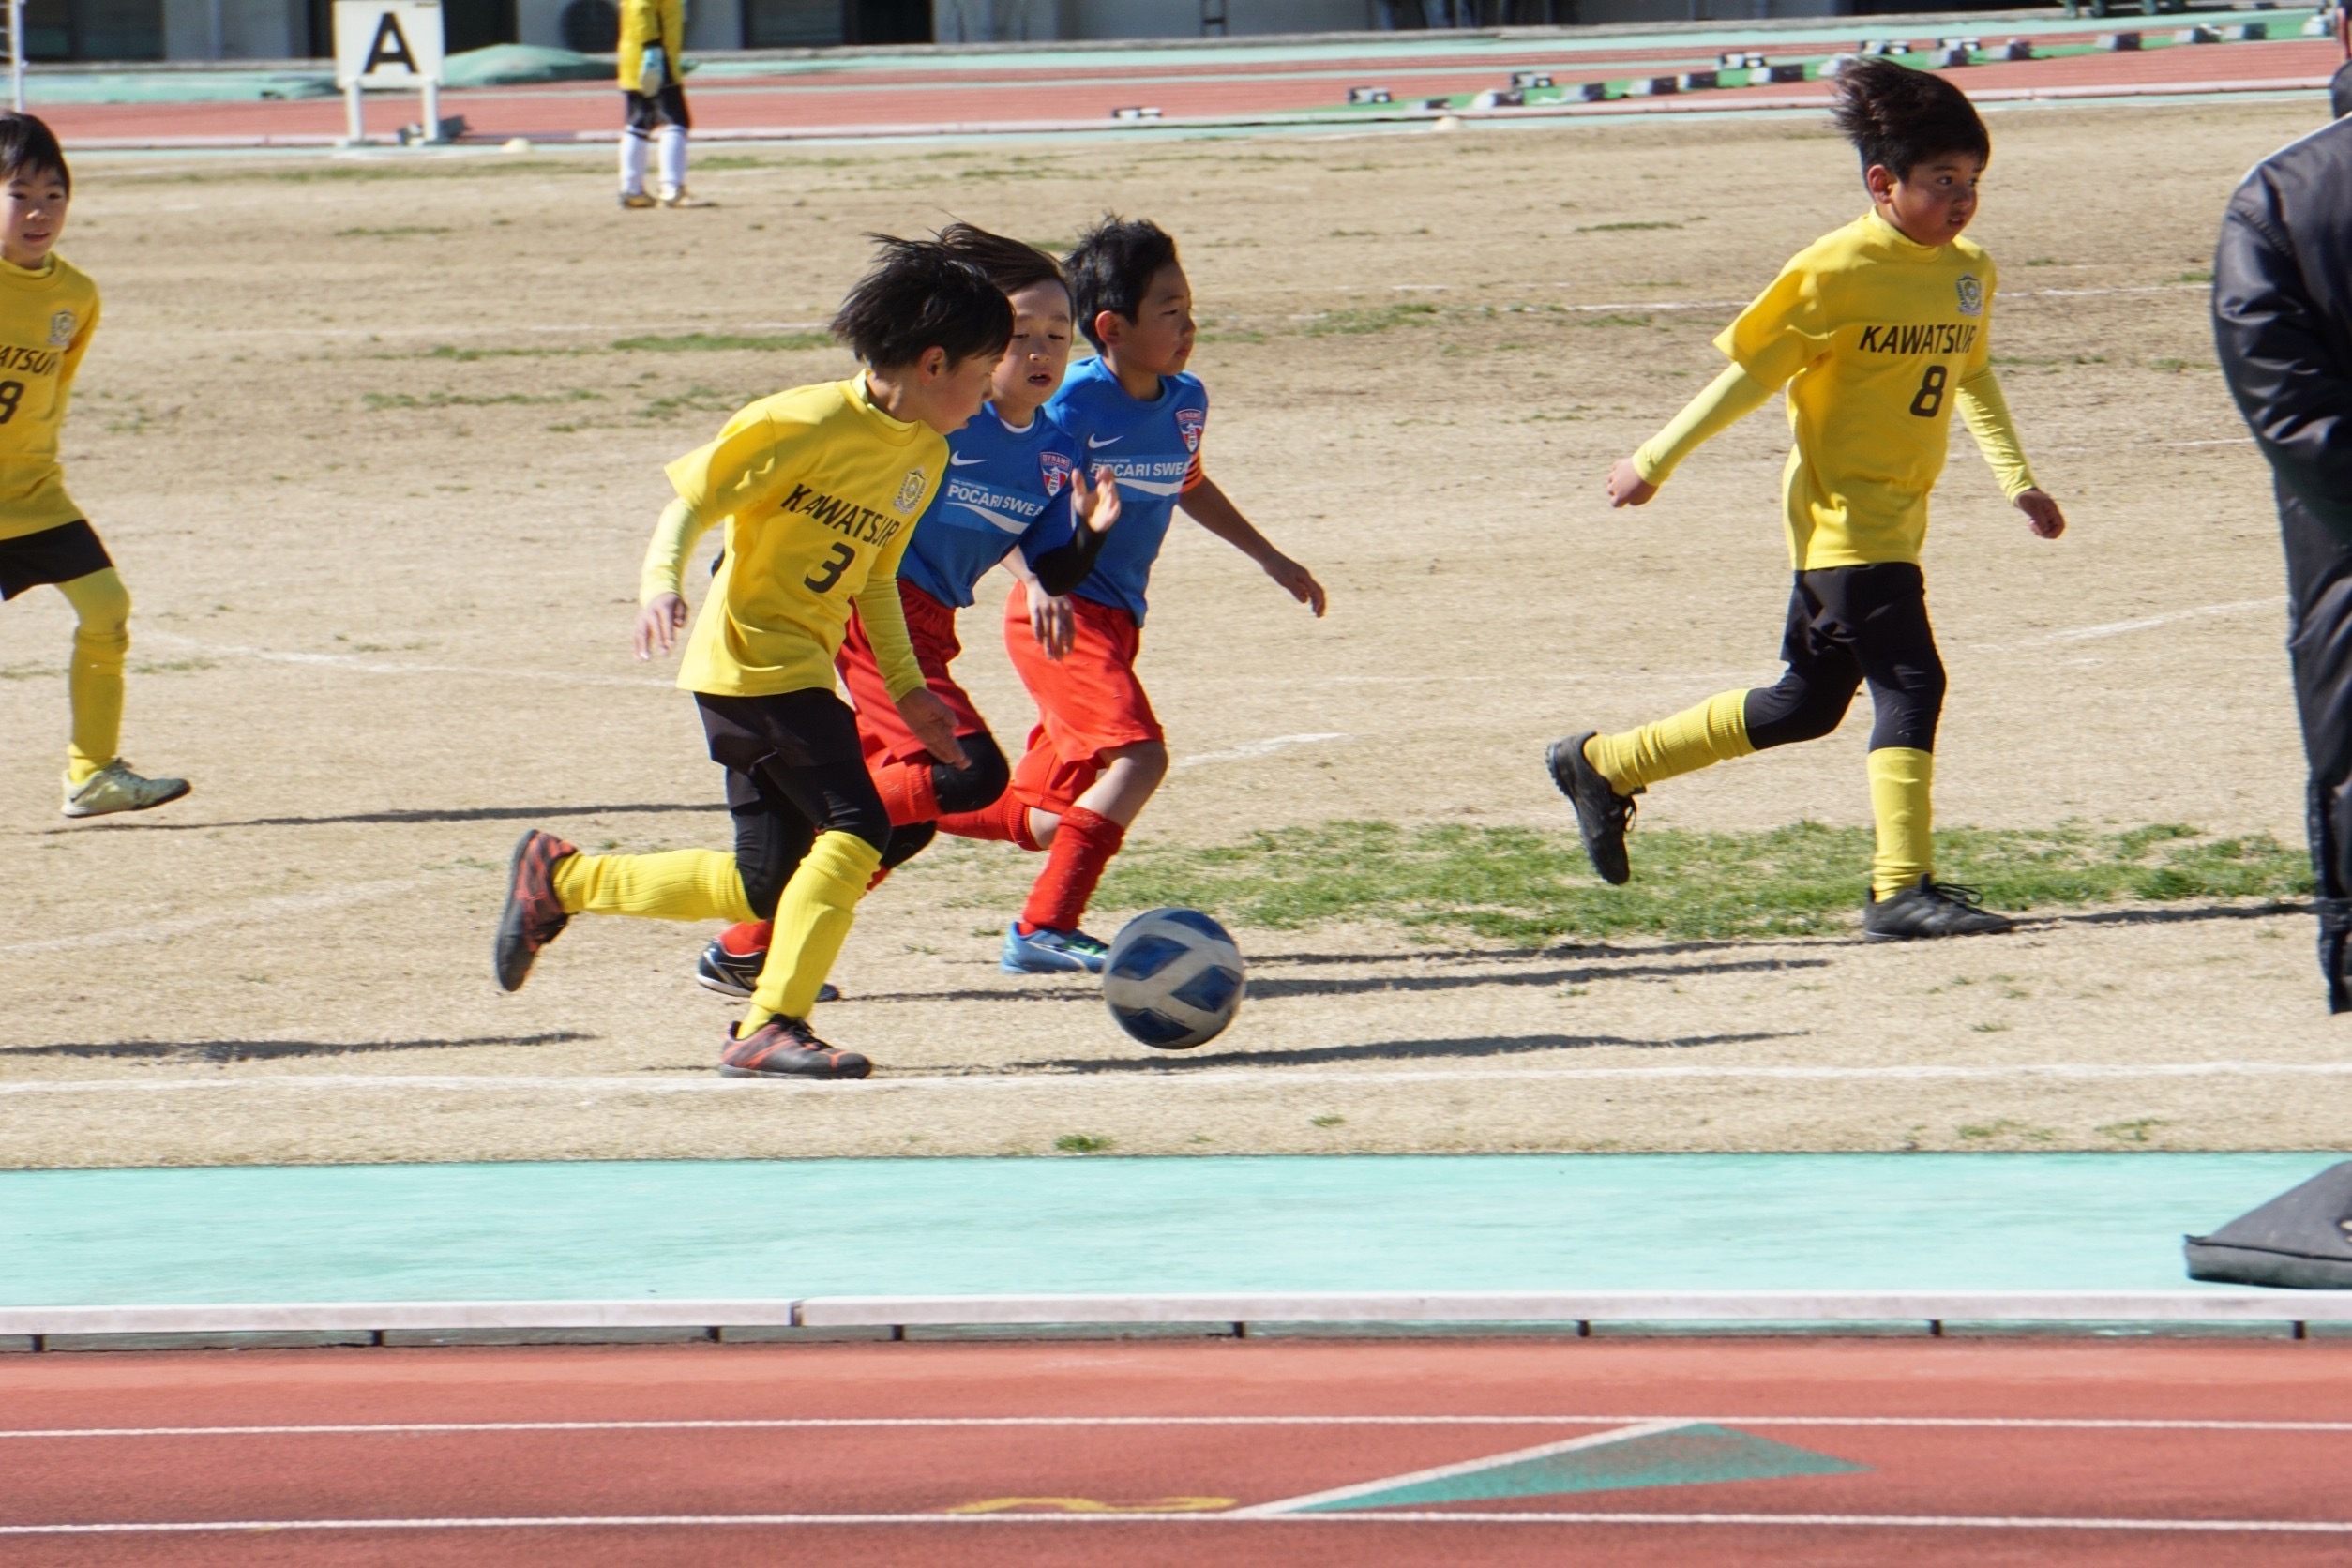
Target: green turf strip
point(1522, 884)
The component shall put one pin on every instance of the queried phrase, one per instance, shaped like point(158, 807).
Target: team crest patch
point(1056, 471)
point(1971, 295)
point(912, 490)
point(61, 331)
point(1188, 423)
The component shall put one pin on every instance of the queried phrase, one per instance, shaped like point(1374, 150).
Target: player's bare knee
point(1145, 763)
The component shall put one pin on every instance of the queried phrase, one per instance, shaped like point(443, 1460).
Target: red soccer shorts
point(1089, 702)
point(931, 627)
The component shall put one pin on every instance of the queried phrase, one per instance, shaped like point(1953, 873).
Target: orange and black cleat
point(787, 1047)
point(533, 916)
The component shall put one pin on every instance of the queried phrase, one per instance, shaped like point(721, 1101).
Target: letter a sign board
point(389, 44)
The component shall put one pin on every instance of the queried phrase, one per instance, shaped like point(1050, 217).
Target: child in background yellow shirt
point(48, 311)
point(1876, 330)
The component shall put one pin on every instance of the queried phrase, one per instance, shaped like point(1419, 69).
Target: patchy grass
point(1621, 228)
point(1355, 323)
point(467, 356)
point(1081, 1143)
point(1526, 885)
point(722, 342)
point(398, 231)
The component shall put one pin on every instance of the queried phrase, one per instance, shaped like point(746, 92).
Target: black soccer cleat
point(737, 974)
point(1932, 909)
point(1603, 815)
point(787, 1047)
point(533, 916)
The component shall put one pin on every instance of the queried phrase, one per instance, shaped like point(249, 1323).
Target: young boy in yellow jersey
point(48, 310)
point(818, 490)
point(653, 101)
point(1876, 330)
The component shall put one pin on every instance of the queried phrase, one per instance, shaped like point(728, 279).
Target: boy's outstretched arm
point(1986, 413)
point(1728, 398)
point(661, 613)
point(1207, 505)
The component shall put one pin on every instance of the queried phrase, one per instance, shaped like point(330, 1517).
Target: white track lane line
point(918, 1423)
point(1258, 749)
point(1158, 1081)
point(1469, 1466)
point(390, 667)
point(690, 1521)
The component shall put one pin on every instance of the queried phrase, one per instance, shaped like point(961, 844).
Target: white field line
point(1257, 748)
point(1467, 1467)
point(390, 667)
point(159, 931)
point(2150, 622)
point(955, 1423)
point(1157, 1082)
point(704, 1521)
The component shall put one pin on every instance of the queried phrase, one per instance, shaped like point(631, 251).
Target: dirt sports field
point(379, 457)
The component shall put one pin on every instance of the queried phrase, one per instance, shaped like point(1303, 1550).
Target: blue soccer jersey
point(1003, 488)
point(1154, 447)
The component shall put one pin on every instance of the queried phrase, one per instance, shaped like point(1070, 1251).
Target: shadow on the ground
point(1265, 989)
point(1387, 1050)
point(271, 1050)
point(2168, 915)
point(453, 814)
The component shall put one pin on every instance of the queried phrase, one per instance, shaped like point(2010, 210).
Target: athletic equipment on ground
point(787, 1047)
point(2302, 1239)
point(1047, 951)
point(1603, 815)
point(533, 916)
point(115, 787)
point(636, 200)
point(1174, 978)
point(737, 974)
point(1932, 909)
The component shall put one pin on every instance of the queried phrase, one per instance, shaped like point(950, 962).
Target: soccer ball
point(1173, 979)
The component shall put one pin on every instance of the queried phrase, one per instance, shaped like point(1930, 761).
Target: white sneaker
point(115, 787)
point(684, 198)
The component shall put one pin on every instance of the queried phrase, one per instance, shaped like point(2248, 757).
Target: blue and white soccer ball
point(1173, 979)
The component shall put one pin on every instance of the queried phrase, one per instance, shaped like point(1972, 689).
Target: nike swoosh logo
point(954, 462)
point(1095, 443)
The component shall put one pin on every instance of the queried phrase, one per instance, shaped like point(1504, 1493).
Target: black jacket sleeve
point(1062, 569)
point(2284, 345)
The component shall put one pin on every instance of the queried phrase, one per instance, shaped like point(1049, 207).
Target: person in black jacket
point(2283, 326)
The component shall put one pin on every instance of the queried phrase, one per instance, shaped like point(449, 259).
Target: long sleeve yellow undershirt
point(1986, 413)
point(878, 606)
point(1731, 398)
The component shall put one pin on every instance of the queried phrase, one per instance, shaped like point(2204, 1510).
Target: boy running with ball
point(1098, 751)
point(1016, 488)
point(48, 311)
point(1876, 329)
point(818, 490)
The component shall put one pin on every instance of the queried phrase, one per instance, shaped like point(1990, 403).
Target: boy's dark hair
point(917, 297)
point(27, 144)
point(1899, 118)
point(1110, 266)
point(1011, 264)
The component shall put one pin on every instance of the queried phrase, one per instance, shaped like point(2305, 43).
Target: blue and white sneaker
point(1047, 951)
point(735, 974)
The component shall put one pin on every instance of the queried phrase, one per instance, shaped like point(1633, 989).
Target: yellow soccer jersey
point(1877, 338)
point(820, 491)
point(646, 22)
point(47, 317)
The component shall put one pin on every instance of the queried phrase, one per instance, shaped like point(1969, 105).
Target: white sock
point(673, 140)
point(632, 163)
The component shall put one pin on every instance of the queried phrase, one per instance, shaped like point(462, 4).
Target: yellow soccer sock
point(676, 884)
point(94, 680)
point(1901, 785)
point(1716, 731)
point(812, 920)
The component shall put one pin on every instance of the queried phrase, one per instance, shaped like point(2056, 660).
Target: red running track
point(2149, 1453)
point(981, 97)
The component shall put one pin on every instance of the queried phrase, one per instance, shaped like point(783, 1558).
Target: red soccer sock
point(908, 792)
point(1006, 822)
point(751, 936)
point(1082, 848)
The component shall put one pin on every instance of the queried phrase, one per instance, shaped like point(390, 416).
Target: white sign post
point(389, 43)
